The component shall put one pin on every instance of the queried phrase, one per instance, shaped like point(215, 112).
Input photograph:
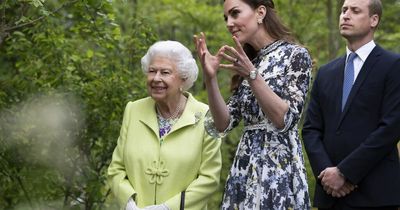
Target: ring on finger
point(236, 60)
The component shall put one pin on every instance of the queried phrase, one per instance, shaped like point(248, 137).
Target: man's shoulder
point(387, 53)
point(333, 64)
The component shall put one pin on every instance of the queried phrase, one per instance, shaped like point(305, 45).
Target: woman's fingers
point(237, 69)
point(232, 67)
point(237, 56)
point(197, 45)
point(200, 42)
point(238, 47)
point(229, 58)
point(232, 51)
point(203, 36)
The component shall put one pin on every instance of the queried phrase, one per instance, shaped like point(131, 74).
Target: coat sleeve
point(116, 174)
point(384, 139)
point(312, 133)
point(207, 182)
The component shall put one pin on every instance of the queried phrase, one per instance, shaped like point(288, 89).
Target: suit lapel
point(365, 70)
point(340, 71)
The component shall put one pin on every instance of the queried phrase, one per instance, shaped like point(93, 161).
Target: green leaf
point(37, 3)
point(89, 53)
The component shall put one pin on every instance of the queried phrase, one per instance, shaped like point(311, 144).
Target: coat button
point(157, 172)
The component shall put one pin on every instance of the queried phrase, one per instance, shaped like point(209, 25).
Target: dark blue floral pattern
point(165, 125)
point(268, 171)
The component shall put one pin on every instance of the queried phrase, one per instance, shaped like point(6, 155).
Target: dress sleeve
point(116, 174)
point(297, 80)
point(234, 117)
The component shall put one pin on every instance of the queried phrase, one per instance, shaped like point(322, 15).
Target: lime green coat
point(155, 170)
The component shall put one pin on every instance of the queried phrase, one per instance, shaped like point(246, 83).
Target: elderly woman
point(163, 149)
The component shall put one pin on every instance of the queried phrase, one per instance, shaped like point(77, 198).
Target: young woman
point(268, 171)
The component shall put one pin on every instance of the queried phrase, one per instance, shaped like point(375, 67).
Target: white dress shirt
point(362, 55)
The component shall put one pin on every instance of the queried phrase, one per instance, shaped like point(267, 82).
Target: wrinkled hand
point(240, 63)
point(157, 207)
point(334, 183)
point(210, 63)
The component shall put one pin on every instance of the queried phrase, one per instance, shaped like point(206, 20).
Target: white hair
point(185, 63)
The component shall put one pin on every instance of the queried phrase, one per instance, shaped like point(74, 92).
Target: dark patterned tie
point(348, 78)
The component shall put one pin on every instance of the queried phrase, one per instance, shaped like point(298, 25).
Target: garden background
point(68, 68)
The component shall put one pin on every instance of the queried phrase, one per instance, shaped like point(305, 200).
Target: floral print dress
point(268, 171)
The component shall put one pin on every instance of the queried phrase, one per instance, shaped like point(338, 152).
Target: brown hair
point(274, 26)
point(375, 7)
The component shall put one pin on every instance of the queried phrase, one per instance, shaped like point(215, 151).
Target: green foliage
point(181, 19)
point(388, 33)
point(65, 80)
point(68, 67)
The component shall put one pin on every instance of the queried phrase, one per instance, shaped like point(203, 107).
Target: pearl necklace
point(173, 115)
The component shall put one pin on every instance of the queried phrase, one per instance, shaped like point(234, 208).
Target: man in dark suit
point(352, 124)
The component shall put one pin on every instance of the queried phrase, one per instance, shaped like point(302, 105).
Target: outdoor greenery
point(68, 68)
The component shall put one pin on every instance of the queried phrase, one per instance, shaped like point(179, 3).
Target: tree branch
point(9, 29)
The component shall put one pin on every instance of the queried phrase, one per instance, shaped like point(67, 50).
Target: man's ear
point(374, 20)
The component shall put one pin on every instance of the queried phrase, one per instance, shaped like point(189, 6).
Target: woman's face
point(163, 80)
point(241, 20)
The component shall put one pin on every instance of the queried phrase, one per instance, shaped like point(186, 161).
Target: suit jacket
point(157, 170)
point(360, 140)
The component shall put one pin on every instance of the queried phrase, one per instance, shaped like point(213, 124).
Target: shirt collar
point(363, 51)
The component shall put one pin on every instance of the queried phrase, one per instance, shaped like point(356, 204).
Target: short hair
point(177, 52)
point(375, 7)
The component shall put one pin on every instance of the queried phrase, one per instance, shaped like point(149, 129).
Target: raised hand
point(240, 63)
point(210, 63)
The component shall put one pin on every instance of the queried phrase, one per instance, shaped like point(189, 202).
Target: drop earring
point(259, 21)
